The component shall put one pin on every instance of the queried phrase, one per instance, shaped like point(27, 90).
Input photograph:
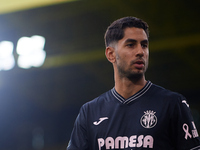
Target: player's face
point(132, 53)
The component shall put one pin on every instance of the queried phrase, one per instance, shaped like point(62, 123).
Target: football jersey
point(154, 118)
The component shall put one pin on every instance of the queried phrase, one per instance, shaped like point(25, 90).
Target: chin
point(135, 76)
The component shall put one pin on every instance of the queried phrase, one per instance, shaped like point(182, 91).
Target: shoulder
point(174, 102)
point(165, 92)
point(166, 95)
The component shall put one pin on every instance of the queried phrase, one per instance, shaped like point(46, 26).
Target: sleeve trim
point(196, 148)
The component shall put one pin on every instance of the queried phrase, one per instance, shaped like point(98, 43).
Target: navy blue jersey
point(153, 118)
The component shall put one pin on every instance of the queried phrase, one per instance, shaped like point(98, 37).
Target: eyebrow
point(133, 40)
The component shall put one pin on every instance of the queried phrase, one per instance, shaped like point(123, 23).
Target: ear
point(110, 54)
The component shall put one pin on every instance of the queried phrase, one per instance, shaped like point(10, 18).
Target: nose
point(140, 51)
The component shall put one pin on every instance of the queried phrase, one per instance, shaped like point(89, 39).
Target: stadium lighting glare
point(31, 51)
point(7, 61)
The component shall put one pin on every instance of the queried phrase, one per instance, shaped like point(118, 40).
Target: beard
point(129, 72)
point(132, 75)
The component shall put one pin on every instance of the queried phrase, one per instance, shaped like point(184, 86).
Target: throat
point(127, 91)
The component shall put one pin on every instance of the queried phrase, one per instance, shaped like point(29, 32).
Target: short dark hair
point(115, 31)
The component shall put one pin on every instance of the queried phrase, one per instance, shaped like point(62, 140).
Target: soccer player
point(136, 114)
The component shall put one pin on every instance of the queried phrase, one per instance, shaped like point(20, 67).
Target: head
point(126, 41)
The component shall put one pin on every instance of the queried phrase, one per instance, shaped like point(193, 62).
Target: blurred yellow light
point(7, 6)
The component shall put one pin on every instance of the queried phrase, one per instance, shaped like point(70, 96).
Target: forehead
point(135, 33)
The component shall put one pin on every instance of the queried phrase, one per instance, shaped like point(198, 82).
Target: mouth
point(139, 64)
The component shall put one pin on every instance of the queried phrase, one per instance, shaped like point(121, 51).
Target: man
point(136, 114)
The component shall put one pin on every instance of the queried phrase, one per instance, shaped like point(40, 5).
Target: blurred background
point(52, 61)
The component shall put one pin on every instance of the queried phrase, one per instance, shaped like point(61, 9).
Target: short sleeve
point(184, 132)
point(78, 140)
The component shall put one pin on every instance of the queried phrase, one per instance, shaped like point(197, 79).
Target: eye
point(130, 45)
point(144, 45)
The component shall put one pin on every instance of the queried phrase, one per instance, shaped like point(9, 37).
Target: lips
point(139, 64)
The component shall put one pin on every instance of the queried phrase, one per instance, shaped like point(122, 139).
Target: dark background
point(38, 106)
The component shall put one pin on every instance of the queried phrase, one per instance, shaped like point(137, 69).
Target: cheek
point(147, 54)
point(121, 60)
point(125, 57)
point(147, 58)
point(122, 56)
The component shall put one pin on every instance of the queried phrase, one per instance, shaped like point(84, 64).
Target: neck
point(126, 87)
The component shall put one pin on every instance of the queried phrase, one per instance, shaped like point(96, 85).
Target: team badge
point(149, 119)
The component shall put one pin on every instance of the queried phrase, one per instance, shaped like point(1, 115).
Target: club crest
point(148, 120)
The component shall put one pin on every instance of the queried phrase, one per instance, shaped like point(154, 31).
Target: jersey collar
point(133, 97)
